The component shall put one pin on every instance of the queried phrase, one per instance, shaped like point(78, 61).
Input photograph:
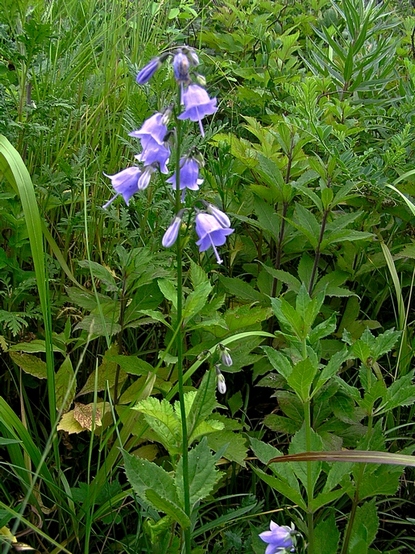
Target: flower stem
point(179, 338)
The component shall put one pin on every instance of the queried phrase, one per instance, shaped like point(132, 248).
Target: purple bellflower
point(125, 182)
point(280, 539)
point(155, 153)
point(218, 215)
point(189, 175)
point(181, 67)
point(197, 104)
point(148, 71)
point(153, 128)
point(210, 233)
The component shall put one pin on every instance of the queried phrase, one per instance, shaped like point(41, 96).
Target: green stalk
point(310, 492)
point(179, 336)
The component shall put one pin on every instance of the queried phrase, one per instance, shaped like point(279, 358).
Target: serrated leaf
point(287, 316)
point(165, 505)
point(332, 367)
point(278, 361)
point(236, 446)
point(400, 393)
point(65, 385)
point(101, 273)
point(130, 364)
point(327, 536)
point(202, 473)
point(163, 421)
point(365, 526)
point(153, 483)
point(30, 364)
point(299, 444)
point(107, 373)
point(241, 290)
point(267, 217)
point(323, 329)
point(99, 325)
point(282, 487)
point(301, 378)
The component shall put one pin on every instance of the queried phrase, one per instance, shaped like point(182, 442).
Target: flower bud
point(225, 356)
point(170, 236)
point(221, 380)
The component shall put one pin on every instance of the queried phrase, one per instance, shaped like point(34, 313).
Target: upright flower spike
point(189, 175)
point(153, 128)
point(124, 182)
point(210, 233)
point(148, 71)
point(280, 539)
point(197, 104)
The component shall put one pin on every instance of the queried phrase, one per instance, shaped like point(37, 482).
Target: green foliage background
point(316, 119)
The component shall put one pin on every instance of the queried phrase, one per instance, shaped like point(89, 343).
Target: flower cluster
point(280, 538)
point(212, 226)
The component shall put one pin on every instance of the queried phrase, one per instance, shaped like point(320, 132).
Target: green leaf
point(365, 527)
point(196, 300)
point(384, 343)
point(168, 290)
point(203, 404)
point(307, 224)
point(287, 316)
point(30, 364)
point(236, 446)
point(332, 367)
point(267, 217)
point(101, 273)
point(301, 378)
point(167, 506)
point(327, 536)
point(130, 364)
point(400, 393)
point(241, 290)
point(203, 474)
point(65, 384)
point(147, 476)
point(299, 444)
point(278, 361)
point(282, 487)
point(163, 421)
point(292, 282)
point(324, 329)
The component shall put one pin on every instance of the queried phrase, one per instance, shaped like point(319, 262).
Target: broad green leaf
point(267, 217)
point(278, 361)
point(299, 444)
point(107, 372)
point(307, 224)
point(168, 290)
point(205, 428)
point(197, 275)
point(236, 445)
point(30, 364)
point(162, 419)
point(266, 452)
point(130, 364)
point(337, 474)
point(152, 483)
point(301, 378)
point(167, 506)
point(203, 474)
point(65, 384)
point(327, 536)
point(99, 325)
point(365, 527)
point(381, 480)
point(324, 498)
point(287, 316)
point(197, 300)
point(385, 342)
point(292, 282)
point(281, 424)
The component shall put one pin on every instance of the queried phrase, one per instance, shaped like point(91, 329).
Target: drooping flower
point(153, 128)
point(211, 233)
point(221, 383)
point(189, 175)
point(218, 215)
point(124, 182)
point(225, 356)
point(170, 236)
point(181, 67)
point(145, 74)
point(155, 153)
point(280, 539)
point(197, 104)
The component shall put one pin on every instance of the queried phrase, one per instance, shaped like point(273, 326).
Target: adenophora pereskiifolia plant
point(161, 139)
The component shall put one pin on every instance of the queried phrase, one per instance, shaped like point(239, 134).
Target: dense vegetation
point(108, 339)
